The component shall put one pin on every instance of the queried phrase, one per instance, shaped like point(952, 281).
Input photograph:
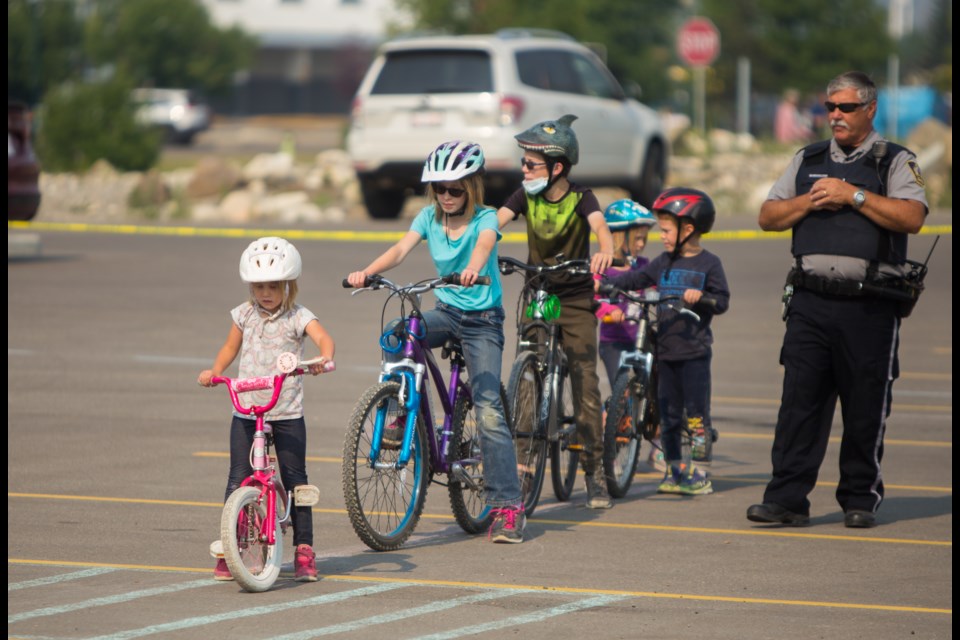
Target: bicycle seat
point(451, 347)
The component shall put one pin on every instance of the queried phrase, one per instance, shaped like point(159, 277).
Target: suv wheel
point(651, 181)
point(381, 203)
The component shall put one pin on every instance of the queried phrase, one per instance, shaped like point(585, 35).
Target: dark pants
point(684, 387)
point(842, 348)
point(579, 330)
point(290, 447)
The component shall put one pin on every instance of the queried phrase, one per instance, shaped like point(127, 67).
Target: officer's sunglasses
point(845, 107)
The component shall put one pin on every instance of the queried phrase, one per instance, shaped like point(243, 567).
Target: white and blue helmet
point(626, 214)
point(452, 161)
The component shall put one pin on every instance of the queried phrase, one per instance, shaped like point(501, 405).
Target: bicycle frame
point(416, 367)
point(265, 476)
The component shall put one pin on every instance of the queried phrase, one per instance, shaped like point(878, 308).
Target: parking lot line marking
point(107, 600)
point(246, 612)
point(775, 402)
point(433, 607)
point(533, 588)
point(536, 616)
point(64, 577)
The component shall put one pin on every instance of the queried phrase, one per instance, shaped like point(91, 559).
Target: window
point(435, 71)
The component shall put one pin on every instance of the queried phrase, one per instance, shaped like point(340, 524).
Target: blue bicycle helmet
point(625, 214)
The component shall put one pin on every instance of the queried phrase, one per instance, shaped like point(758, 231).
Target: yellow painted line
point(463, 584)
point(836, 440)
point(567, 523)
point(354, 236)
point(656, 477)
point(916, 375)
point(774, 402)
point(226, 454)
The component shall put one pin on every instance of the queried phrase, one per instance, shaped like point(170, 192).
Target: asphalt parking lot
point(117, 462)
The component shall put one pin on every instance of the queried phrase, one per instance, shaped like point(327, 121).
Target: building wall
point(312, 56)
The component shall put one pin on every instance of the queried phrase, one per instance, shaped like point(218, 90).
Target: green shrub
point(82, 123)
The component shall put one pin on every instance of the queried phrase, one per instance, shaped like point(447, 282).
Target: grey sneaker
point(597, 496)
point(695, 483)
point(508, 525)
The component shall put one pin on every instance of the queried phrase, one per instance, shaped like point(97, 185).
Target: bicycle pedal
point(306, 495)
point(574, 447)
point(623, 439)
point(216, 549)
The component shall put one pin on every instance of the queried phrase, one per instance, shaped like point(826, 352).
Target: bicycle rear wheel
point(384, 503)
point(468, 497)
point(563, 459)
point(621, 438)
point(254, 564)
point(525, 393)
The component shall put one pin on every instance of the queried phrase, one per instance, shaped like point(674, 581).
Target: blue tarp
point(914, 104)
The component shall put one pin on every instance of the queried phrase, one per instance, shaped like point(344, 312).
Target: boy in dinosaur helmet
point(560, 217)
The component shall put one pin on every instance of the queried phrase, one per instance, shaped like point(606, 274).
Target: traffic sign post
point(698, 45)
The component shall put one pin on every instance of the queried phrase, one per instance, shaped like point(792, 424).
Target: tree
point(43, 47)
point(167, 43)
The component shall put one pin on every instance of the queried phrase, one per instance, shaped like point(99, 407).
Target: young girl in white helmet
point(263, 327)
point(462, 235)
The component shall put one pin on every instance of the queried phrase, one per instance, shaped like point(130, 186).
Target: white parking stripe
point(536, 616)
point(106, 600)
point(246, 612)
point(433, 607)
point(65, 577)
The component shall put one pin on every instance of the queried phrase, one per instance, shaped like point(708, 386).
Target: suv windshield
point(434, 71)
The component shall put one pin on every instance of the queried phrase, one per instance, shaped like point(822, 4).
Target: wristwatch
point(858, 199)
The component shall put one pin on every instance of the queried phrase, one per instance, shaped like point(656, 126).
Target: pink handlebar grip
point(252, 384)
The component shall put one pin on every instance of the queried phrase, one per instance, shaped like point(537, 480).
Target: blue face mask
point(535, 186)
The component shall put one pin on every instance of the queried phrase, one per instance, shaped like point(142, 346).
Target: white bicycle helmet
point(270, 260)
point(452, 161)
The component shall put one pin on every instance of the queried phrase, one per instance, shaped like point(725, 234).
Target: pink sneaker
point(305, 563)
point(222, 571)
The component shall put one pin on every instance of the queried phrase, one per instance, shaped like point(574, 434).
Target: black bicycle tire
point(379, 525)
point(529, 440)
point(469, 506)
point(620, 458)
point(564, 462)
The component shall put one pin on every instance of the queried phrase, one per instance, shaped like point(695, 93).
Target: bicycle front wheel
point(525, 394)
point(384, 503)
point(621, 437)
point(467, 491)
point(564, 460)
point(254, 563)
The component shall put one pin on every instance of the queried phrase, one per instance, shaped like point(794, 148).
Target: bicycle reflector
point(548, 308)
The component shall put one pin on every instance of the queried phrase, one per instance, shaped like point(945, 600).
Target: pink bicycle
point(257, 514)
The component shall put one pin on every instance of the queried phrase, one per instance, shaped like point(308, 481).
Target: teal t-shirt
point(451, 256)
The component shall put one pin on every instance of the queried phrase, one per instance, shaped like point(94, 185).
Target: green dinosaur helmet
point(552, 138)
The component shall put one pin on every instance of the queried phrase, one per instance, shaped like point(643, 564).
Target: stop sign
point(698, 42)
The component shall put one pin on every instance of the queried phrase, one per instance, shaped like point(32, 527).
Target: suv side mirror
point(633, 90)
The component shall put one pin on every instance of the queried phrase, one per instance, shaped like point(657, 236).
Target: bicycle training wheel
point(564, 460)
point(254, 564)
point(384, 503)
point(621, 437)
point(525, 392)
point(468, 497)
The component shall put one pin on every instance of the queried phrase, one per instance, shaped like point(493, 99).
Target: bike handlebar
point(377, 281)
point(236, 386)
point(510, 265)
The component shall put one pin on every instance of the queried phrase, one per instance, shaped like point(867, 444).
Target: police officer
point(850, 201)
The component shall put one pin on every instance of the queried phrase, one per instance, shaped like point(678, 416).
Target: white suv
point(420, 92)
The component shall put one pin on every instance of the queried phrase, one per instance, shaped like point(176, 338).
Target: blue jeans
point(684, 386)
point(480, 334)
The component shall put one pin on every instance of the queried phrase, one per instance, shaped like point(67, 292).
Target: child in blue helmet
point(629, 224)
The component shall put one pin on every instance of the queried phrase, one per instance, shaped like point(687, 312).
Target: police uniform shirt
point(903, 181)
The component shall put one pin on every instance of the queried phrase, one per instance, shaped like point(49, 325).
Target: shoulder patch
point(915, 169)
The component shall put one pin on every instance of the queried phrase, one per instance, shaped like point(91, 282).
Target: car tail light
point(511, 110)
point(356, 109)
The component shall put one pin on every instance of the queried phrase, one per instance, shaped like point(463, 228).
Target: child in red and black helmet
point(684, 344)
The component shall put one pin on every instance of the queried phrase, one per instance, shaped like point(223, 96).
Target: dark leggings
point(290, 447)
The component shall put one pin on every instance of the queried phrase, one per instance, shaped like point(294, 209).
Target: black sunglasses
point(530, 165)
point(845, 107)
point(439, 189)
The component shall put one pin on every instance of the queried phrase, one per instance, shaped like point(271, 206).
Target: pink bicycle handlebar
point(236, 386)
